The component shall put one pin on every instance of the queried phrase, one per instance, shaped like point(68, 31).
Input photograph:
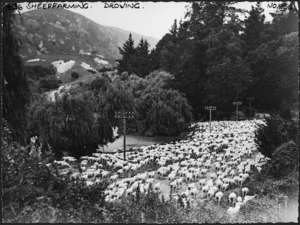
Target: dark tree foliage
point(274, 133)
point(274, 67)
point(49, 84)
point(15, 88)
point(285, 19)
point(128, 56)
point(142, 66)
point(213, 46)
point(135, 60)
point(254, 33)
point(74, 75)
point(34, 191)
point(159, 110)
point(81, 118)
point(285, 158)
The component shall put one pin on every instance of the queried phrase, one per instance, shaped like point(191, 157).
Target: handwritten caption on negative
point(50, 5)
point(126, 5)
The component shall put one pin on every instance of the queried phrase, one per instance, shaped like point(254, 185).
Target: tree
point(274, 67)
point(254, 27)
point(275, 132)
point(159, 110)
point(81, 118)
point(209, 35)
point(142, 66)
point(15, 88)
point(227, 82)
point(74, 75)
point(285, 19)
point(128, 56)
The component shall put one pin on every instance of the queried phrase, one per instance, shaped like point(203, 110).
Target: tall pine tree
point(254, 26)
point(142, 66)
point(15, 88)
point(128, 56)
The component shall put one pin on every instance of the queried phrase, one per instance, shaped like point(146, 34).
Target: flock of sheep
point(211, 166)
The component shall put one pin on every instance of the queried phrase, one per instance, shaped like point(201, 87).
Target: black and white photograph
point(150, 112)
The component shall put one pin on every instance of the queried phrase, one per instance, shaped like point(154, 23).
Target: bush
point(91, 71)
point(34, 192)
point(103, 69)
point(75, 75)
point(285, 158)
point(275, 132)
point(145, 208)
point(49, 84)
point(241, 116)
point(260, 210)
point(35, 72)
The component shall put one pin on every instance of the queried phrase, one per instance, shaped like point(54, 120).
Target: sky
point(149, 18)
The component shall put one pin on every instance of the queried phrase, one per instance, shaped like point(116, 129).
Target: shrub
point(103, 69)
point(49, 84)
point(34, 192)
point(75, 75)
point(285, 158)
point(241, 115)
point(91, 71)
point(275, 132)
point(144, 208)
point(259, 210)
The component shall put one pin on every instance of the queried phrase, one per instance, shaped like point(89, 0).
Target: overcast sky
point(151, 19)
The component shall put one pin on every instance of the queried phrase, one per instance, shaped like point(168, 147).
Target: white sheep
point(151, 174)
point(129, 191)
point(157, 186)
point(179, 181)
point(233, 211)
point(248, 197)
point(211, 193)
point(171, 176)
point(113, 178)
point(219, 183)
point(202, 183)
point(210, 183)
point(239, 199)
point(232, 198)
point(245, 191)
point(204, 191)
point(149, 181)
point(213, 176)
point(191, 186)
point(173, 185)
point(203, 172)
point(194, 192)
point(185, 193)
point(219, 196)
point(189, 177)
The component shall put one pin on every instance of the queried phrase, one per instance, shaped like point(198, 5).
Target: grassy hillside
point(59, 31)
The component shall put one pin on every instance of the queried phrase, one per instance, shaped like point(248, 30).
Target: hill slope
point(57, 43)
point(59, 31)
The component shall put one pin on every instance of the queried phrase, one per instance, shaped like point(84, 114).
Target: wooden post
point(210, 108)
point(237, 109)
point(250, 99)
point(209, 121)
point(237, 112)
point(124, 115)
point(286, 203)
point(124, 138)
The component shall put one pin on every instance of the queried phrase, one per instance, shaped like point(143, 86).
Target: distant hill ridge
point(60, 31)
